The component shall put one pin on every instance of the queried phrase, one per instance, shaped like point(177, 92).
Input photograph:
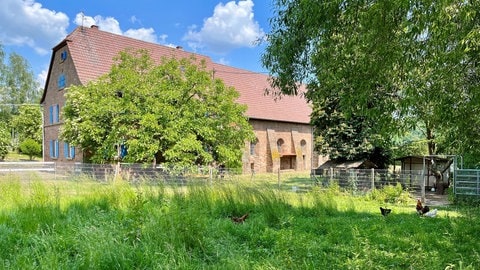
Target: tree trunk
point(431, 141)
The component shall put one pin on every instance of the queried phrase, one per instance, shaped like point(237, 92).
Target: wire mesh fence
point(367, 179)
point(134, 173)
point(351, 179)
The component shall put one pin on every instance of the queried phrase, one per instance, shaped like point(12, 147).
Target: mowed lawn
point(83, 224)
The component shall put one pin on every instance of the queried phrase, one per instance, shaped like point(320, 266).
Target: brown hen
point(240, 219)
point(422, 209)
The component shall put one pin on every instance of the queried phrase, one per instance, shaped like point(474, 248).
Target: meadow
point(84, 224)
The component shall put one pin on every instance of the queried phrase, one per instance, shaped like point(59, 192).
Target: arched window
point(303, 144)
point(253, 145)
point(280, 143)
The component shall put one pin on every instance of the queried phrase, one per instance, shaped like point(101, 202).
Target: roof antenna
point(83, 18)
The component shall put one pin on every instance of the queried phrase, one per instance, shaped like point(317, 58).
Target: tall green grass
point(88, 225)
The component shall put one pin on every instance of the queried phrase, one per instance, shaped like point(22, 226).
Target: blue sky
point(226, 31)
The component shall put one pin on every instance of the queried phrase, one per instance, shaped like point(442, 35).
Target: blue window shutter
point(72, 151)
point(65, 149)
point(57, 113)
point(61, 82)
point(63, 56)
point(51, 149)
point(56, 148)
point(123, 151)
point(51, 114)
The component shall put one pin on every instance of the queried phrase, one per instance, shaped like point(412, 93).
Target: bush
point(4, 142)
point(3, 149)
point(31, 148)
point(390, 194)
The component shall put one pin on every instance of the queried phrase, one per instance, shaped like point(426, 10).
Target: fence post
point(373, 178)
point(423, 187)
point(331, 175)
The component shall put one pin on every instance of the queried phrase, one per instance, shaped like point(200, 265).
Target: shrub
point(390, 194)
point(31, 148)
point(4, 142)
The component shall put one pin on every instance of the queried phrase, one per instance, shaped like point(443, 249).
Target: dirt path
point(433, 199)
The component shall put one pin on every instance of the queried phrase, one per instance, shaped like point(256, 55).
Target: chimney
point(94, 26)
point(179, 48)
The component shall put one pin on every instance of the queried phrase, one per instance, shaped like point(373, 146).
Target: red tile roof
point(93, 50)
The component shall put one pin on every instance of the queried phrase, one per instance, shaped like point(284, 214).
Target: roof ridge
point(92, 52)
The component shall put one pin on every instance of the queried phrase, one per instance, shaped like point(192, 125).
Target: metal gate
point(467, 182)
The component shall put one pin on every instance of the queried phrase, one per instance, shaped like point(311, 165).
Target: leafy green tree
point(31, 148)
point(18, 88)
point(396, 65)
point(4, 141)
point(17, 84)
point(411, 143)
point(174, 112)
point(345, 139)
point(28, 123)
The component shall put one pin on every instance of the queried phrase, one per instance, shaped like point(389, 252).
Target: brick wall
point(55, 95)
point(295, 153)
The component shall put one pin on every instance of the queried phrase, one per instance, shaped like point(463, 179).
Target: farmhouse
point(283, 134)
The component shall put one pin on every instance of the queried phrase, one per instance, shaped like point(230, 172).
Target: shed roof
point(419, 159)
point(93, 51)
point(354, 164)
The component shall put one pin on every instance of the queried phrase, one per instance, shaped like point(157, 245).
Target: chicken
point(419, 206)
point(239, 219)
point(431, 214)
point(385, 211)
point(424, 210)
point(421, 210)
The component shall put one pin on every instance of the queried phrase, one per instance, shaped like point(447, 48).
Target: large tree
point(17, 84)
point(19, 91)
point(28, 123)
point(5, 141)
point(395, 65)
point(174, 112)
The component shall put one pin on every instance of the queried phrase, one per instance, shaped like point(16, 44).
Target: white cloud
point(223, 61)
point(133, 19)
point(146, 34)
point(231, 26)
point(42, 77)
point(108, 24)
point(111, 25)
point(27, 23)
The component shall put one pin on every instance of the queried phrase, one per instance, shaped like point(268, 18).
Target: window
point(62, 81)
point(54, 148)
point(253, 144)
point(63, 55)
point(303, 144)
point(280, 143)
point(68, 151)
point(54, 115)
